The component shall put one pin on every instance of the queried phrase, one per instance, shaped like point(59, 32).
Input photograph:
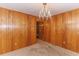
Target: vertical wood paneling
point(4, 21)
point(17, 30)
point(59, 30)
point(47, 30)
point(32, 29)
point(77, 30)
point(9, 32)
point(64, 30)
point(14, 28)
point(69, 19)
point(67, 30)
point(53, 31)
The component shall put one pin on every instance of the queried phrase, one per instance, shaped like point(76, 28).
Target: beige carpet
point(41, 48)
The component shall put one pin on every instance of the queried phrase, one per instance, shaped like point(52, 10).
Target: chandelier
point(45, 12)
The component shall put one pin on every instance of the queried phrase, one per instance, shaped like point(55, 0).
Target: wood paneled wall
point(17, 30)
point(64, 30)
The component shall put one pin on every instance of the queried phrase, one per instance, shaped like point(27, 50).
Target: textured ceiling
point(34, 8)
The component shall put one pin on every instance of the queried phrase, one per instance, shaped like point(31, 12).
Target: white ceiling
point(34, 8)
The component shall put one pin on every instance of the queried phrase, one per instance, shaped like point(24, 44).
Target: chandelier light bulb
point(45, 12)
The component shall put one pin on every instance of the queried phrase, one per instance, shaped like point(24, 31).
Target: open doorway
point(40, 30)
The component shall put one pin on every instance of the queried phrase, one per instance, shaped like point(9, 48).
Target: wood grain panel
point(46, 30)
point(69, 19)
point(64, 30)
point(77, 30)
point(67, 30)
point(4, 38)
point(17, 30)
point(32, 29)
point(14, 28)
point(53, 30)
point(59, 30)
